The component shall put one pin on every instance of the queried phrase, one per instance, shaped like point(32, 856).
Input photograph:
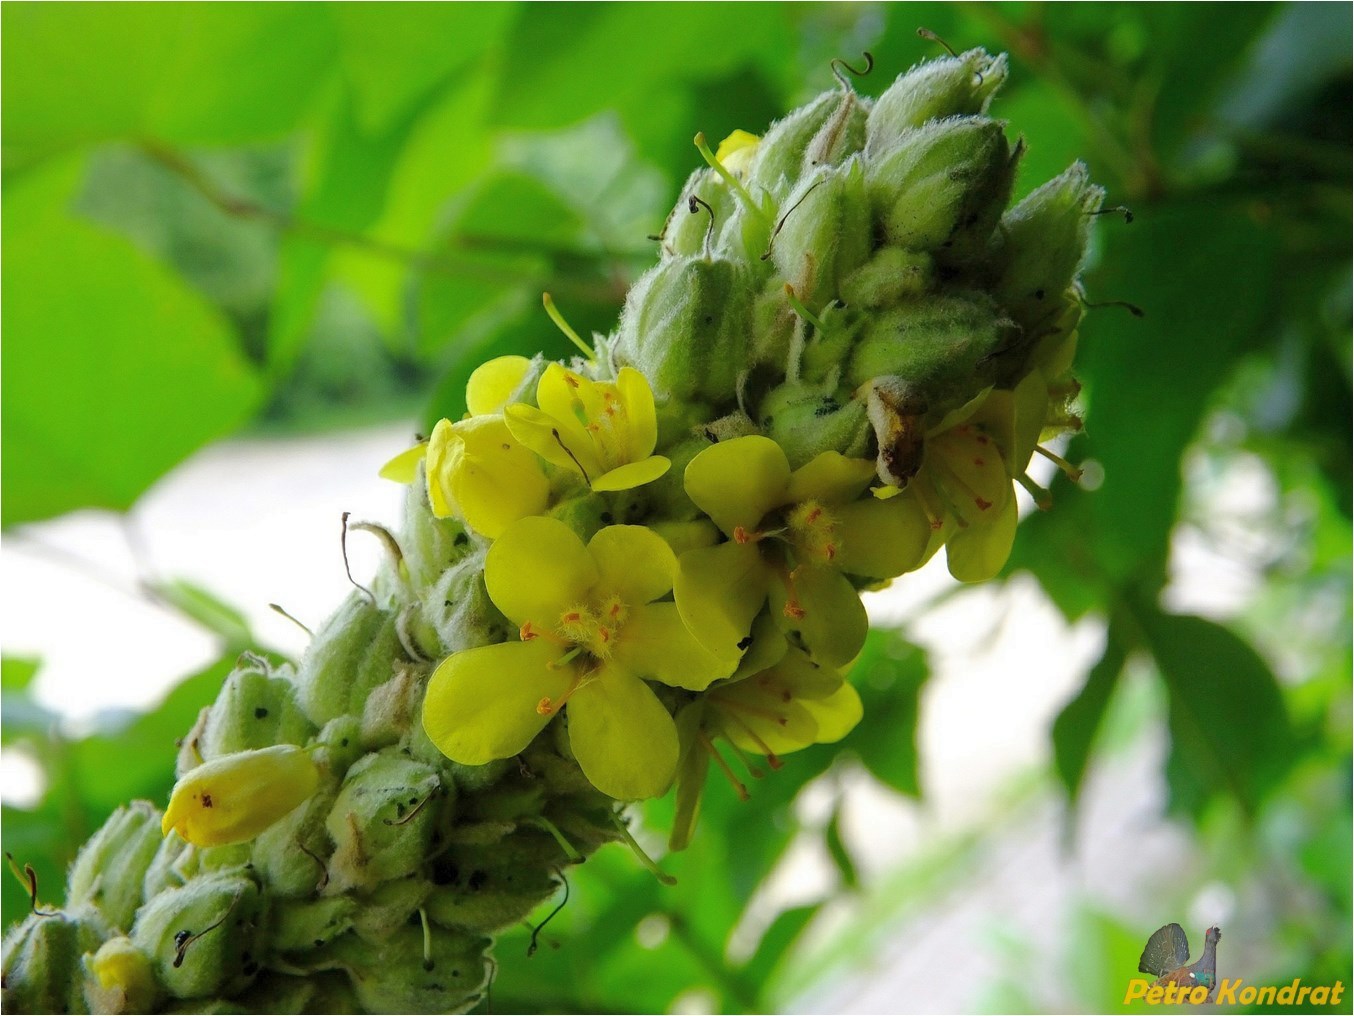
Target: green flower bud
point(305, 925)
point(806, 422)
point(232, 798)
point(382, 820)
point(430, 545)
point(389, 907)
point(893, 275)
point(487, 889)
point(121, 979)
point(110, 869)
point(1045, 239)
point(349, 656)
point(416, 970)
point(942, 183)
point(841, 136)
point(393, 708)
point(175, 862)
point(957, 86)
point(783, 153)
point(42, 971)
point(253, 710)
point(942, 348)
point(690, 231)
point(685, 327)
point(825, 234)
point(291, 856)
point(204, 938)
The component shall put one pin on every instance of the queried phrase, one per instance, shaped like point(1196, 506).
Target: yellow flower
point(233, 798)
point(476, 470)
point(591, 634)
point(792, 535)
point(965, 486)
point(789, 706)
point(736, 151)
point(604, 430)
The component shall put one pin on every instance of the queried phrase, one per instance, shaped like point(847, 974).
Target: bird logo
point(1166, 957)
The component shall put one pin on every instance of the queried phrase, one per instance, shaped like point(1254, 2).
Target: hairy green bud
point(348, 658)
point(825, 234)
point(934, 90)
point(42, 968)
point(110, 869)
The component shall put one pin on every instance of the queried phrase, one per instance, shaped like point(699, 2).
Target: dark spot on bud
point(250, 969)
point(461, 540)
point(445, 873)
point(766, 421)
point(206, 800)
point(260, 713)
point(406, 751)
point(343, 743)
point(399, 809)
point(181, 937)
point(711, 436)
point(827, 407)
point(709, 319)
point(319, 942)
point(1038, 294)
point(455, 973)
point(607, 518)
point(413, 800)
point(477, 879)
point(745, 641)
point(446, 603)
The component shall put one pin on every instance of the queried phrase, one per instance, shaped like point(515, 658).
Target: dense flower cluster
point(613, 573)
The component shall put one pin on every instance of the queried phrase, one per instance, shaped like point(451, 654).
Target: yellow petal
point(797, 676)
point(403, 468)
point(768, 648)
point(881, 539)
point(761, 722)
point(834, 624)
point(623, 737)
point(572, 400)
point(641, 418)
point(684, 536)
point(481, 704)
point(543, 434)
point(633, 563)
point(1015, 418)
point(737, 482)
point(493, 384)
point(831, 478)
point(633, 474)
point(836, 715)
point(655, 644)
point(978, 553)
point(233, 798)
point(719, 590)
point(478, 472)
point(967, 466)
point(537, 569)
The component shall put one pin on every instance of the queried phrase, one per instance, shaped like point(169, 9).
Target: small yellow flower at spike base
point(736, 151)
point(233, 798)
point(126, 973)
point(591, 636)
point(604, 431)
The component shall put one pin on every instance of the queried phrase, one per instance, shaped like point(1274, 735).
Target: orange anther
point(526, 633)
point(982, 505)
point(544, 708)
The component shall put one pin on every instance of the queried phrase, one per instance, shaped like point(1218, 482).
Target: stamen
point(772, 759)
point(1072, 472)
point(793, 609)
point(644, 858)
point(427, 939)
point(564, 326)
point(569, 851)
point(753, 771)
point(838, 65)
point(931, 515)
point(803, 311)
point(726, 176)
point(547, 706)
point(566, 659)
point(1043, 499)
point(741, 535)
point(738, 787)
point(734, 706)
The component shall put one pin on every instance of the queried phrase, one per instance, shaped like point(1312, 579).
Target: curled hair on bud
point(1123, 210)
point(185, 938)
point(839, 65)
point(347, 568)
point(1132, 308)
point(28, 878)
point(930, 36)
point(771, 243)
point(536, 931)
point(694, 205)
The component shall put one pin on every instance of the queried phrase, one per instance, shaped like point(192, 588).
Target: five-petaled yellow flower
point(591, 634)
point(792, 535)
point(604, 431)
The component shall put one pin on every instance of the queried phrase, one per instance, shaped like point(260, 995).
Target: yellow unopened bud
point(125, 976)
point(233, 798)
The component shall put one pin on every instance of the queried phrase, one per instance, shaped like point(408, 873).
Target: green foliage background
point(286, 217)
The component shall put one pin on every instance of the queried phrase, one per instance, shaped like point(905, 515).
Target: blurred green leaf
point(395, 53)
point(838, 851)
point(777, 942)
point(17, 672)
point(1076, 725)
point(114, 370)
point(81, 73)
point(1230, 731)
point(208, 610)
point(889, 676)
